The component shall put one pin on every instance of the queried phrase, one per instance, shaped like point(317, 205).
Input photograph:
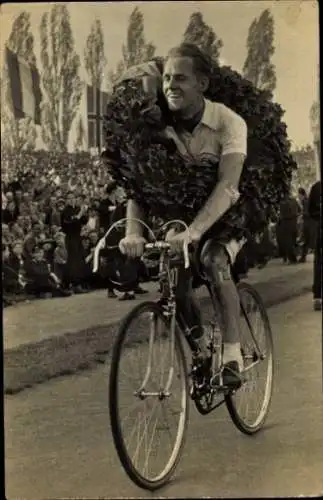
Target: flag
point(96, 103)
point(24, 85)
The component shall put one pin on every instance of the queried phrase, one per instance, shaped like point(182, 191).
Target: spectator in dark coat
point(73, 218)
point(287, 229)
point(105, 208)
point(314, 210)
point(53, 214)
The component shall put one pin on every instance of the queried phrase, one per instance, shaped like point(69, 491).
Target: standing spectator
point(106, 207)
point(93, 221)
point(60, 258)
point(53, 215)
point(287, 229)
point(73, 218)
point(314, 209)
point(305, 224)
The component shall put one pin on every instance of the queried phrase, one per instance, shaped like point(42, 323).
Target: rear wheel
point(249, 405)
point(149, 399)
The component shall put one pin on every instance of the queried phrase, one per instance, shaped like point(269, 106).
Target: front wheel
point(148, 397)
point(249, 405)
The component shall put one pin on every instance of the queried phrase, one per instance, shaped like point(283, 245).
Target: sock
point(232, 352)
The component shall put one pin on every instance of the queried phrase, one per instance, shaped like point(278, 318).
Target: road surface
point(58, 442)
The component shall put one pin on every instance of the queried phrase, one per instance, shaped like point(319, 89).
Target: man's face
point(39, 254)
point(70, 200)
point(93, 238)
point(53, 200)
point(18, 194)
point(181, 86)
point(20, 220)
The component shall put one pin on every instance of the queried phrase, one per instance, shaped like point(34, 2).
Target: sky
point(296, 54)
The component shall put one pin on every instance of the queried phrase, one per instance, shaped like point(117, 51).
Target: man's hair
point(202, 63)
point(301, 191)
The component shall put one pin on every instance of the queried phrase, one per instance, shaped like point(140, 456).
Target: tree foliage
point(80, 135)
point(136, 49)
point(306, 168)
point(95, 60)
point(202, 35)
point(258, 67)
point(60, 77)
point(18, 135)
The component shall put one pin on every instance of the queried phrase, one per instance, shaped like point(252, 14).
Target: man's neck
point(190, 117)
point(190, 113)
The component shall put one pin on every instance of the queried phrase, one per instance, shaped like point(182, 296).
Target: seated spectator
point(41, 281)
point(14, 279)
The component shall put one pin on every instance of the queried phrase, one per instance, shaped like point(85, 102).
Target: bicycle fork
point(162, 393)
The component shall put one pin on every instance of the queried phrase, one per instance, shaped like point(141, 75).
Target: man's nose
point(172, 83)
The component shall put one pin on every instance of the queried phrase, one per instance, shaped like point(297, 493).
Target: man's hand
point(132, 245)
point(177, 240)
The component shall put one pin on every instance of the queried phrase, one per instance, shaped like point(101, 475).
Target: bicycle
point(159, 329)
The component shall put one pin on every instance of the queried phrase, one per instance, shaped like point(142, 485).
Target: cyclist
point(201, 129)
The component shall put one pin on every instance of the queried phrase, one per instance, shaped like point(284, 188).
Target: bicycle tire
point(240, 423)
point(136, 476)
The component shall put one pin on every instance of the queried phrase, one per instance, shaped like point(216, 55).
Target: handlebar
point(156, 245)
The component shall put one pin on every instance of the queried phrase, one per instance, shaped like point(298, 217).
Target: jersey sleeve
point(234, 132)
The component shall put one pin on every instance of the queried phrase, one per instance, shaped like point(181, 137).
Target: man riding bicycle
point(201, 129)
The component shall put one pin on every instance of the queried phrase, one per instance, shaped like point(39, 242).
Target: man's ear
point(204, 82)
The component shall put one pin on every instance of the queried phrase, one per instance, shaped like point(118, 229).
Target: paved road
point(59, 445)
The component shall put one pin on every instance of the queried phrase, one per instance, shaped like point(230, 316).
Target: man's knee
point(216, 262)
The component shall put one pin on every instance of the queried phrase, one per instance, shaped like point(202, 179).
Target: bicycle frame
point(171, 273)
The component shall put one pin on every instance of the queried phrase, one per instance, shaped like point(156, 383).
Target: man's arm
point(226, 192)
point(134, 211)
point(224, 195)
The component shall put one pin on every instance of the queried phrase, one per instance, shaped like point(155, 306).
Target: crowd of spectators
point(56, 208)
point(53, 214)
